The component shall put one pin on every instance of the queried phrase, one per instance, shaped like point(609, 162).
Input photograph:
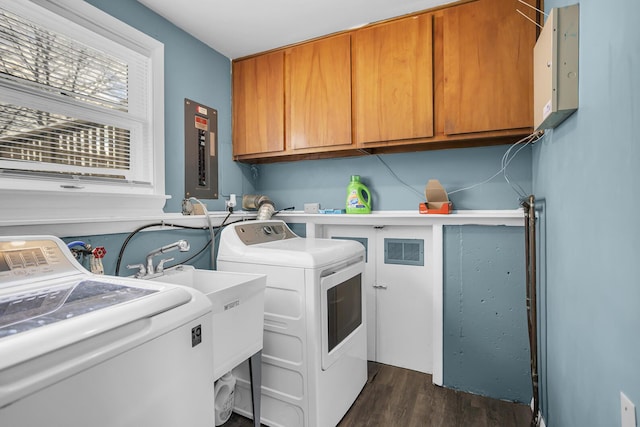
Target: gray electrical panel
point(200, 151)
point(555, 68)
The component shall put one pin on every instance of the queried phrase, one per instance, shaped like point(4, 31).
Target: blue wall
point(486, 350)
point(142, 243)
point(586, 170)
point(325, 181)
point(194, 71)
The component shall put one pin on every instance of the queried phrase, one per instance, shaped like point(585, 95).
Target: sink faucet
point(148, 271)
point(182, 245)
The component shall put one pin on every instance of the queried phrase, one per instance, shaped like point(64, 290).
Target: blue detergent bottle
point(358, 197)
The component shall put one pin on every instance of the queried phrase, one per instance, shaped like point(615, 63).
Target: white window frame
point(33, 200)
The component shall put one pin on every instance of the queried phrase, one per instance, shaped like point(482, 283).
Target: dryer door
point(341, 308)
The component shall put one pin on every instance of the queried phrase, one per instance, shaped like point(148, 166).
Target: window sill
point(68, 214)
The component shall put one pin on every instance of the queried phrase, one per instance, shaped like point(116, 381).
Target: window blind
point(31, 135)
point(72, 106)
point(52, 62)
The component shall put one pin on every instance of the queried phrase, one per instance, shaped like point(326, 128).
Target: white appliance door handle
point(380, 286)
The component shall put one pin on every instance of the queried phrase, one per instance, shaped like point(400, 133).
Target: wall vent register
point(404, 251)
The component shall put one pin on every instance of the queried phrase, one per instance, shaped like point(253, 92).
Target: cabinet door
point(393, 81)
point(319, 94)
point(488, 73)
point(258, 104)
point(404, 277)
point(398, 286)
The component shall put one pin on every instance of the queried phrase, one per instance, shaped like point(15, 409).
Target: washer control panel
point(20, 259)
point(253, 233)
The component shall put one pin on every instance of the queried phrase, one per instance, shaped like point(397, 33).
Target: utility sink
point(238, 311)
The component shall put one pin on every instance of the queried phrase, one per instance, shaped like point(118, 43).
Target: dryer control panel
point(253, 233)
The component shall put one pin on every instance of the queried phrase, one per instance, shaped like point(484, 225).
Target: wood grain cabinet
point(488, 67)
point(318, 94)
point(393, 81)
point(258, 105)
point(458, 76)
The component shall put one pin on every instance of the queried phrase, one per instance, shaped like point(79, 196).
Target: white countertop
point(109, 225)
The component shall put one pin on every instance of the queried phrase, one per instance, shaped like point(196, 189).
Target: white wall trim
point(125, 223)
point(438, 304)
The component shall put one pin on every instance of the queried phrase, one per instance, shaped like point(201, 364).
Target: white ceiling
point(239, 28)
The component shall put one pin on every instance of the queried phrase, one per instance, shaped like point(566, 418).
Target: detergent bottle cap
point(355, 178)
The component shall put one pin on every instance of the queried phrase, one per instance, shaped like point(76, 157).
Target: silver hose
point(266, 211)
point(263, 204)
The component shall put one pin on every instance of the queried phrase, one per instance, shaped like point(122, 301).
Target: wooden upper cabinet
point(459, 76)
point(488, 54)
point(393, 80)
point(258, 104)
point(319, 94)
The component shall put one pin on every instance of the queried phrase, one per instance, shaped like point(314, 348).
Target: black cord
point(290, 208)
point(194, 255)
point(159, 224)
point(144, 227)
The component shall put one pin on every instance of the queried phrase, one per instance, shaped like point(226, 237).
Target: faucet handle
point(142, 271)
point(160, 267)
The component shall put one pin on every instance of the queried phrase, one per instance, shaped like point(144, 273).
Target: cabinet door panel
point(258, 104)
point(488, 75)
point(319, 93)
point(393, 80)
point(399, 295)
point(405, 303)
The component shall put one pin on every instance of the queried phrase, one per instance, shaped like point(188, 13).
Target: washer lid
point(30, 309)
point(39, 320)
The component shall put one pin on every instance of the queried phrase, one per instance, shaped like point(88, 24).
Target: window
point(81, 110)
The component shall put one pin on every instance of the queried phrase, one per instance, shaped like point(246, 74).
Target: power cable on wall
point(507, 158)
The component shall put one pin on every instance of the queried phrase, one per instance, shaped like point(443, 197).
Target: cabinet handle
point(380, 286)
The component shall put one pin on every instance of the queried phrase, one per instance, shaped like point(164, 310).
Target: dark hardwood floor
point(396, 397)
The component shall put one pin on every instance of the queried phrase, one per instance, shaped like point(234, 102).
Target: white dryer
point(78, 350)
point(314, 359)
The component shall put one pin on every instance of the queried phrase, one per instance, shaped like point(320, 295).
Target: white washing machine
point(79, 350)
point(314, 358)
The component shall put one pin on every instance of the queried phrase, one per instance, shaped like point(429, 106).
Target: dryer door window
point(341, 311)
point(344, 310)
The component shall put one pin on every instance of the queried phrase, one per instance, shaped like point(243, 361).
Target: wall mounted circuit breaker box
point(555, 68)
point(200, 151)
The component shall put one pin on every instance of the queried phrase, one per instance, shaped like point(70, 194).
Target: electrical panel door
point(201, 148)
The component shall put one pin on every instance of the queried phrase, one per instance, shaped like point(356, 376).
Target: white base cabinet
point(399, 289)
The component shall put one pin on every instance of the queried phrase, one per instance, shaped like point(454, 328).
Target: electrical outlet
point(627, 411)
point(231, 203)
